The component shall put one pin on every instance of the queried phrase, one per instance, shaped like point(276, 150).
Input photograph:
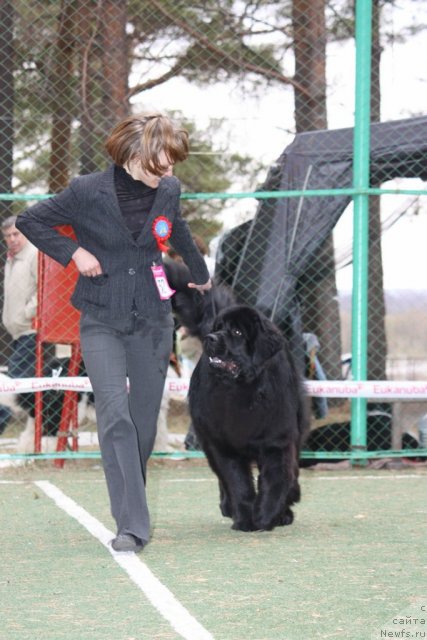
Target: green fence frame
point(360, 192)
point(361, 149)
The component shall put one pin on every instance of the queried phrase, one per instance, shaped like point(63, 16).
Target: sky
point(260, 127)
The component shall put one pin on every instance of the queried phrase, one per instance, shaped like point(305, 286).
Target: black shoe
point(127, 542)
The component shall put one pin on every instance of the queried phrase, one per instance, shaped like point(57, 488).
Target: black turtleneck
point(135, 199)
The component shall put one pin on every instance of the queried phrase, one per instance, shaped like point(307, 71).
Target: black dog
point(247, 406)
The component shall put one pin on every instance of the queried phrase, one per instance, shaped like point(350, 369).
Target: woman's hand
point(86, 263)
point(201, 287)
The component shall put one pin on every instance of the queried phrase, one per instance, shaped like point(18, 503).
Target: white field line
point(159, 596)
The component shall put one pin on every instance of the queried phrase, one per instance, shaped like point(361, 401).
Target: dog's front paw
point(267, 523)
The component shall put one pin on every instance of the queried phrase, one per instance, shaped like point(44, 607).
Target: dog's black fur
point(247, 406)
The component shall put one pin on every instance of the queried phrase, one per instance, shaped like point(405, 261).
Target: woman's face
point(133, 167)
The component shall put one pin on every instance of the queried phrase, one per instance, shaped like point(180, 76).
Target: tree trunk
point(309, 29)
point(103, 73)
point(318, 288)
point(6, 135)
point(377, 341)
point(89, 66)
point(115, 103)
point(62, 105)
point(6, 104)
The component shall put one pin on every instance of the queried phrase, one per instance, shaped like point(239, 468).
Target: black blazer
point(91, 207)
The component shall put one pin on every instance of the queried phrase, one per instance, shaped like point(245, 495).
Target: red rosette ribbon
point(162, 229)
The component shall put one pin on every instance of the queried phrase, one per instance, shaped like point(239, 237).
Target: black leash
point(214, 310)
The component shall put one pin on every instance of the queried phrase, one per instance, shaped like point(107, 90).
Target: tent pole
point(291, 244)
point(361, 220)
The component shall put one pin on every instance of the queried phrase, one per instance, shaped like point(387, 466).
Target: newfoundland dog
point(247, 406)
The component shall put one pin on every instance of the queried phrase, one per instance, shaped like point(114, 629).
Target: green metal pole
point(361, 218)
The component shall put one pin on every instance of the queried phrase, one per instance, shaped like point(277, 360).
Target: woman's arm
point(37, 224)
point(181, 238)
point(184, 244)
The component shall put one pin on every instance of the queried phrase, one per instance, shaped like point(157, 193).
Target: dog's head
point(241, 343)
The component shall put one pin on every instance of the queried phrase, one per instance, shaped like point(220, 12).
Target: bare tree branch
point(270, 74)
point(155, 82)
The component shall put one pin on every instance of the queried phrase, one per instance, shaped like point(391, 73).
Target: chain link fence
point(267, 92)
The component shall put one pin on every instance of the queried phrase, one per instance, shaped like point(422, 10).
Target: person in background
point(122, 218)
point(19, 308)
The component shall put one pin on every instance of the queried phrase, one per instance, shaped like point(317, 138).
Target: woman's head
point(150, 140)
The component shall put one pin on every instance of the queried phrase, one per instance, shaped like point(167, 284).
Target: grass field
point(352, 566)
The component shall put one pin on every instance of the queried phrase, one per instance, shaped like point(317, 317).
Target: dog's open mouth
point(229, 366)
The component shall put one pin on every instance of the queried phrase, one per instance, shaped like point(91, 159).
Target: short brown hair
point(146, 135)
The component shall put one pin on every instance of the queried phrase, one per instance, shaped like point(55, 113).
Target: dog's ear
point(268, 341)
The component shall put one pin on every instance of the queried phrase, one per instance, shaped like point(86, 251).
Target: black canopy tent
point(263, 259)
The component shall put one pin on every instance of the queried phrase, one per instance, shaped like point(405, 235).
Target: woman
point(121, 218)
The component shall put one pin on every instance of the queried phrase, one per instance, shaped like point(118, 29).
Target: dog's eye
point(236, 332)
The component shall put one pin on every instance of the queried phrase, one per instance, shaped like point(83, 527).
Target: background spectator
point(19, 308)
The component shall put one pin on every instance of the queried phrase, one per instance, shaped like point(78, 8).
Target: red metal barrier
point(57, 322)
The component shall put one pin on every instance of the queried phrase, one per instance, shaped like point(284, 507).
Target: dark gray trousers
point(137, 348)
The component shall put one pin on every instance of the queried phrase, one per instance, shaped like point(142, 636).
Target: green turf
point(355, 558)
